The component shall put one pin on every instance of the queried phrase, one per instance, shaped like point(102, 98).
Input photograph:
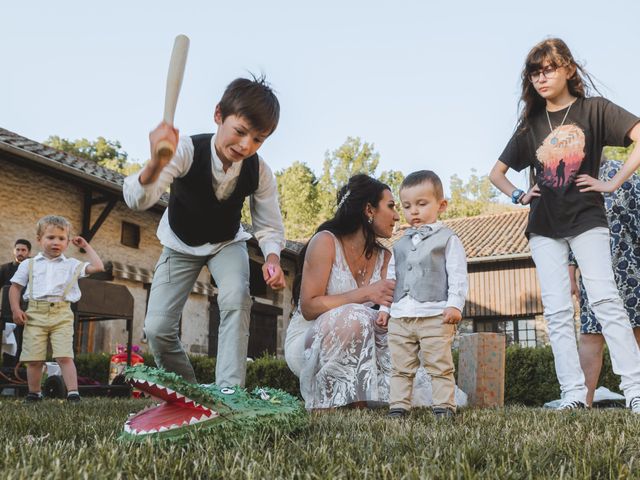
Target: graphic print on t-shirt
point(561, 155)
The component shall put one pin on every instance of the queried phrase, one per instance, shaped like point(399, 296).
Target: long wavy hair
point(557, 53)
point(352, 199)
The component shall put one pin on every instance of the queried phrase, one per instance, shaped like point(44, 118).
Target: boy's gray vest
point(421, 269)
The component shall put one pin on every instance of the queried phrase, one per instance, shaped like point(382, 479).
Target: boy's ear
point(217, 115)
point(443, 205)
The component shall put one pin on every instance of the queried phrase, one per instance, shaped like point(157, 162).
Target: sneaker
point(73, 398)
point(443, 413)
point(33, 397)
point(397, 413)
point(634, 405)
point(574, 405)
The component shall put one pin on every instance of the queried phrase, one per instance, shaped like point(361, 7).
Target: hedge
point(529, 378)
point(264, 371)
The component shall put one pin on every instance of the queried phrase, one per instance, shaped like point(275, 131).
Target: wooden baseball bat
point(174, 81)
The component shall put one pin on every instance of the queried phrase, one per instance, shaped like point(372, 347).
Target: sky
point(431, 84)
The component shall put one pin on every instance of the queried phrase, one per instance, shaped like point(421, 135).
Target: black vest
point(196, 216)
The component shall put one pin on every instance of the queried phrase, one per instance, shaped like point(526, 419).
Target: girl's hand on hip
point(530, 195)
point(587, 183)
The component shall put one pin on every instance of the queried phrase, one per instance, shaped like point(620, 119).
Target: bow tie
point(423, 230)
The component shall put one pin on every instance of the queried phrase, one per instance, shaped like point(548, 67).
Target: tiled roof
point(24, 147)
point(488, 237)
point(84, 169)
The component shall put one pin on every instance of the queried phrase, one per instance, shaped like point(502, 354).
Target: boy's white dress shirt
point(265, 211)
point(50, 278)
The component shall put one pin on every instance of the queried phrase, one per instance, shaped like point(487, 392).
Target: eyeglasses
point(549, 72)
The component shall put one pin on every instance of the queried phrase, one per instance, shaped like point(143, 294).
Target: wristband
point(516, 195)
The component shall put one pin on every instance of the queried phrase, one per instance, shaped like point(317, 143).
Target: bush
point(93, 365)
point(272, 372)
point(530, 377)
point(204, 368)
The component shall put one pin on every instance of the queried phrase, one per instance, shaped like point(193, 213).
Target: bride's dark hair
point(349, 217)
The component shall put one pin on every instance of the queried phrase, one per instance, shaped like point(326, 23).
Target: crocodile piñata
point(188, 408)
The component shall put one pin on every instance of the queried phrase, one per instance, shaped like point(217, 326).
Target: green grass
point(56, 440)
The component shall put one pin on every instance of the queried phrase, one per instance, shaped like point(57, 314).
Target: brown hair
point(352, 199)
point(557, 53)
point(422, 176)
point(254, 100)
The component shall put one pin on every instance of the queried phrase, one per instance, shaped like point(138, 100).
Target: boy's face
point(236, 139)
point(420, 204)
point(20, 252)
point(53, 241)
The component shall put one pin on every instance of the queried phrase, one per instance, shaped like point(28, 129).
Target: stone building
point(38, 180)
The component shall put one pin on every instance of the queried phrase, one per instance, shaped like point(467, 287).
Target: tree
point(298, 189)
point(106, 153)
point(394, 179)
point(352, 157)
point(476, 197)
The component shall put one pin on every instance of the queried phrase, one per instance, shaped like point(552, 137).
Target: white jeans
point(593, 254)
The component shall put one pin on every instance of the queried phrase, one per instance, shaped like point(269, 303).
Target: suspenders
point(67, 289)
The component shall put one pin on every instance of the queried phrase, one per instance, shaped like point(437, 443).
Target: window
point(518, 330)
point(526, 332)
point(130, 236)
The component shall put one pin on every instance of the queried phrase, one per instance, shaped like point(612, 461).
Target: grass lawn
point(56, 440)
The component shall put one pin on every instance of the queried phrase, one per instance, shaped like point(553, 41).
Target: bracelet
point(516, 195)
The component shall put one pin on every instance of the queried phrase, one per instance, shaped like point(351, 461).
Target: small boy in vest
point(430, 268)
point(51, 281)
point(210, 177)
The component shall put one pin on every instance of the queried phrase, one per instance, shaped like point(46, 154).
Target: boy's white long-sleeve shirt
point(456, 266)
point(265, 211)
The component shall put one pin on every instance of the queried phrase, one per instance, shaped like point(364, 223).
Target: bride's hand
point(381, 292)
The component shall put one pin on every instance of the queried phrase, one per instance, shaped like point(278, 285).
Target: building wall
point(506, 288)
point(27, 195)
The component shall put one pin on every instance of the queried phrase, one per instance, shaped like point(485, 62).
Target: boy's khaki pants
point(407, 337)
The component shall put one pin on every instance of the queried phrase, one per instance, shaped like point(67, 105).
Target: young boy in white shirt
point(430, 268)
point(210, 177)
point(51, 281)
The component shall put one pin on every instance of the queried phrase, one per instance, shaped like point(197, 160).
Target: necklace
point(359, 273)
point(362, 273)
point(554, 139)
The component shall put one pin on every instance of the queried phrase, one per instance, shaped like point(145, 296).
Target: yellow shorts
point(47, 321)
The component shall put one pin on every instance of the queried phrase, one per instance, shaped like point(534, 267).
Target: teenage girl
point(560, 136)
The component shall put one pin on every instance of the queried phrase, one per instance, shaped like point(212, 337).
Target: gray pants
point(173, 279)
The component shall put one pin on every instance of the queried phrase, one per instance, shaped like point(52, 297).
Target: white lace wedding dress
point(341, 357)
